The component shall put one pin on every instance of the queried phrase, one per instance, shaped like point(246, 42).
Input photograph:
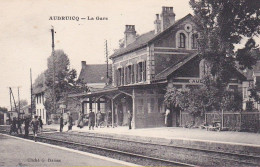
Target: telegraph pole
point(53, 59)
point(107, 62)
point(10, 99)
point(18, 103)
point(31, 92)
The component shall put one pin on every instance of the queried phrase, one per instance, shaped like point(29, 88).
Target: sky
point(25, 36)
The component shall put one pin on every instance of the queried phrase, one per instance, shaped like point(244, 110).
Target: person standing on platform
point(91, 120)
point(70, 122)
point(19, 124)
point(98, 118)
point(13, 126)
point(35, 126)
point(167, 117)
point(61, 123)
point(40, 122)
point(26, 127)
point(129, 118)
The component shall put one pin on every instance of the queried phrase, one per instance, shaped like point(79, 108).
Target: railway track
point(146, 153)
point(173, 153)
point(112, 153)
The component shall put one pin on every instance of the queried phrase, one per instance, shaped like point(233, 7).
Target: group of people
point(36, 124)
point(98, 118)
point(70, 122)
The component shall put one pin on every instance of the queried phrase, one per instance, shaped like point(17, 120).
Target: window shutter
point(144, 71)
point(133, 73)
point(178, 40)
point(136, 73)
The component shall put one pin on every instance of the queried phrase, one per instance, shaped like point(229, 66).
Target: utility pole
point(10, 99)
point(11, 94)
point(107, 63)
point(53, 57)
point(18, 103)
point(31, 92)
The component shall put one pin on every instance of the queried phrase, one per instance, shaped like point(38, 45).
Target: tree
point(204, 98)
point(23, 103)
point(3, 109)
point(223, 23)
point(65, 79)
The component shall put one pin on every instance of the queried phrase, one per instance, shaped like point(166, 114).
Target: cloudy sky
point(25, 36)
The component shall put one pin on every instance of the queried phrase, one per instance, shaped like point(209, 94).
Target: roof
point(175, 66)
point(144, 39)
point(37, 90)
point(94, 73)
point(248, 73)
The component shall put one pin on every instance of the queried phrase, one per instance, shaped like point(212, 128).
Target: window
point(132, 74)
point(245, 92)
point(233, 88)
point(118, 76)
point(144, 71)
point(128, 74)
point(140, 70)
point(194, 43)
point(40, 98)
point(122, 76)
point(37, 98)
point(182, 40)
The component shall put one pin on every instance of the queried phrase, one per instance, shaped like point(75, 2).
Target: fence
point(242, 121)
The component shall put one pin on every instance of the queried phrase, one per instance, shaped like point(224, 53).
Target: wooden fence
point(242, 121)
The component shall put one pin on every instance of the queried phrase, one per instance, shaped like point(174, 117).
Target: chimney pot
point(167, 17)
point(83, 64)
point(130, 34)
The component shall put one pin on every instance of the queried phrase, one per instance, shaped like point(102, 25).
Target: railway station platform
point(202, 135)
point(20, 152)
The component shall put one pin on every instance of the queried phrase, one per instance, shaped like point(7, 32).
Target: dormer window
point(182, 40)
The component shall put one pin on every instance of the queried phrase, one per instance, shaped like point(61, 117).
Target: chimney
point(157, 24)
point(167, 17)
point(130, 34)
point(83, 64)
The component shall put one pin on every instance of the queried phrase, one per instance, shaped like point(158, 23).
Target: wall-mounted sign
point(62, 106)
point(195, 81)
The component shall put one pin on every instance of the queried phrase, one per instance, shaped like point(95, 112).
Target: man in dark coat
point(91, 120)
point(26, 127)
point(35, 126)
point(70, 122)
point(13, 126)
point(129, 118)
point(61, 123)
point(40, 122)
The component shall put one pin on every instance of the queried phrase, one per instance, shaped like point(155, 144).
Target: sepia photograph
point(129, 83)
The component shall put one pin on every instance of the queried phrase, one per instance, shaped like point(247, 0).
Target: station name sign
point(195, 81)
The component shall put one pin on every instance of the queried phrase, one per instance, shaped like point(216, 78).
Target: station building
point(143, 69)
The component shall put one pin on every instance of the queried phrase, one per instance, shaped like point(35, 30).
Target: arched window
point(194, 43)
point(182, 40)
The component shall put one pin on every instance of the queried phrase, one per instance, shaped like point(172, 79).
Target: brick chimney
point(83, 64)
point(167, 17)
point(157, 24)
point(130, 34)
